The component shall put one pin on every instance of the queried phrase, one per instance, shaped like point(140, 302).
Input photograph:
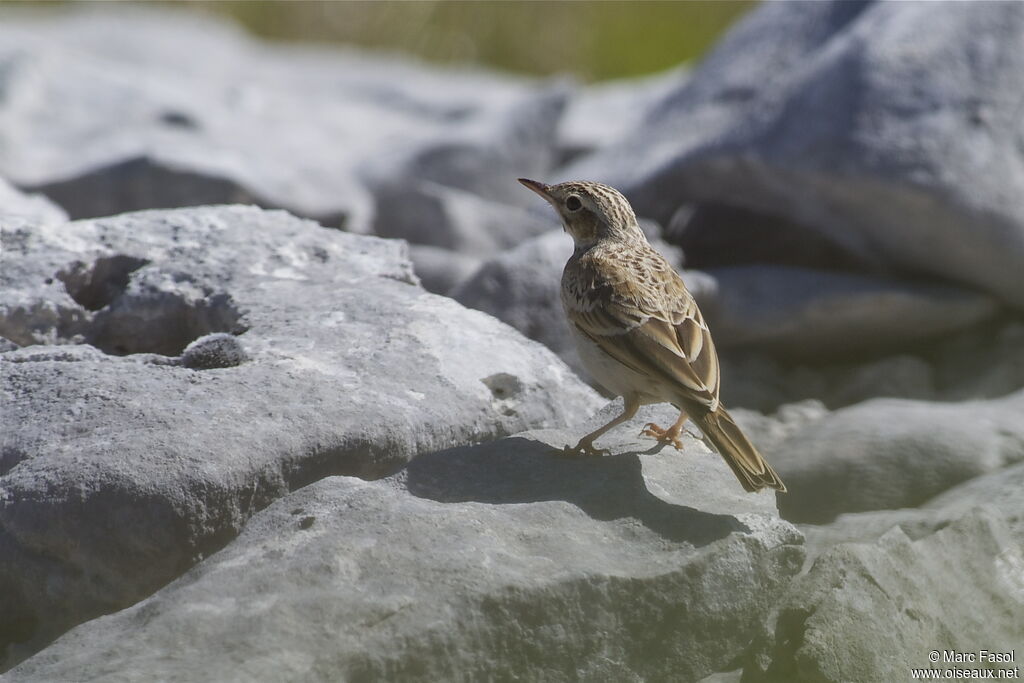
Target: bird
point(638, 329)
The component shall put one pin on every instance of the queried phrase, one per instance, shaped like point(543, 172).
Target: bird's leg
point(670, 435)
point(586, 444)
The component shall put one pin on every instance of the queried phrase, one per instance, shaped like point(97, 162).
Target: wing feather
point(654, 329)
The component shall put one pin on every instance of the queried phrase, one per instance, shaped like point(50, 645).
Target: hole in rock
point(503, 385)
point(143, 319)
point(178, 119)
point(93, 287)
point(162, 322)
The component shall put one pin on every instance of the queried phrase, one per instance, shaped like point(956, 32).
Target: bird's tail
point(746, 462)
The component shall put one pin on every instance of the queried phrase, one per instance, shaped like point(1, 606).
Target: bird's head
point(590, 212)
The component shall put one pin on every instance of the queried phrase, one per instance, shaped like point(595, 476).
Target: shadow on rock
point(521, 470)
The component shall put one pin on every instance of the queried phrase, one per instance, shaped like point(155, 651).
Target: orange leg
point(670, 435)
point(586, 444)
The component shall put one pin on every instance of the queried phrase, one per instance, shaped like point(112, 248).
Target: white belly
point(613, 375)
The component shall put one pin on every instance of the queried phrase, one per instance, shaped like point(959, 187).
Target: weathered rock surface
point(891, 129)
point(811, 313)
point(999, 491)
point(870, 612)
point(124, 461)
point(498, 562)
point(894, 453)
point(142, 125)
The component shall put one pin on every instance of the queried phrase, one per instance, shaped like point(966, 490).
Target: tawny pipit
point(638, 330)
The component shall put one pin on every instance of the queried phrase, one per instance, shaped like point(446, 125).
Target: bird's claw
point(662, 435)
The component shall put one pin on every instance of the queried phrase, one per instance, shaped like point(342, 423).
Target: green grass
point(593, 40)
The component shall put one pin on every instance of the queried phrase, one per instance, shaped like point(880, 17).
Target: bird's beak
point(538, 187)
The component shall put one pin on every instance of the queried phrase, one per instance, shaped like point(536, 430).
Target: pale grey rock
point(601, 114)
point(140, 124)
point(521, 287)
point(869, 612)
point(901, 376)
point(894, 453)
point(121, 467)
point(482, 158)
point(429, 214)
point(767, 431)
point(807, 313)
point(890, 129)
point(999, 491)
point(493, 562)
point(442, 270)
point(16, 205)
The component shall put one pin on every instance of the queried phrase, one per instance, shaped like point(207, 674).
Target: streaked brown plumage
point(639, 330)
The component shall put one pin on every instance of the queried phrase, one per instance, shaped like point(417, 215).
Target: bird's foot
point(670, 435)
point(584, 449)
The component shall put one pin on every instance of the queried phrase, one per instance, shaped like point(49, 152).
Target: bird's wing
point(640, 313)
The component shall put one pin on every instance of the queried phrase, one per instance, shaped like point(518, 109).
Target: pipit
point(638, 329)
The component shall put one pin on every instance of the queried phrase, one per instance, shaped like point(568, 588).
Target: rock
point(521, 287)
point(121, 466)
point(218, 350)
point(603, 113)
point(902, 376)
point(141, 125)
point(15, 205)
point(987, 361)
point(894, 453)
point(788, 420)
point(425, 213)
point(807, 313)
point(483, 158)
point(999, 491)
point(871, 612)
point(718, 236)
point(891, 129)
point(493, 562)
point(979, 362)
point(441, 270)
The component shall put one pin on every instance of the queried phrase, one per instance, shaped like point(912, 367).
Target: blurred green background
point(593, 40)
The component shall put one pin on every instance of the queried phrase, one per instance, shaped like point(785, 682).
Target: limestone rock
point(894, 453)
point(806, 313)
point(127, 460)
point(141, 124)
point(999, 491)
point(889, 129)
point(15, 205)
point(499, 561)
point(870, 612)
point(441, 270)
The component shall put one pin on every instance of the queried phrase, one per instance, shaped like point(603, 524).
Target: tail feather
point(746, 462)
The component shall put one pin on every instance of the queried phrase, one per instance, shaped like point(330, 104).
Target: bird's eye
point(573, 203)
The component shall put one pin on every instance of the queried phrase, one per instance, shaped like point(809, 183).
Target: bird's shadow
point(522, 470)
